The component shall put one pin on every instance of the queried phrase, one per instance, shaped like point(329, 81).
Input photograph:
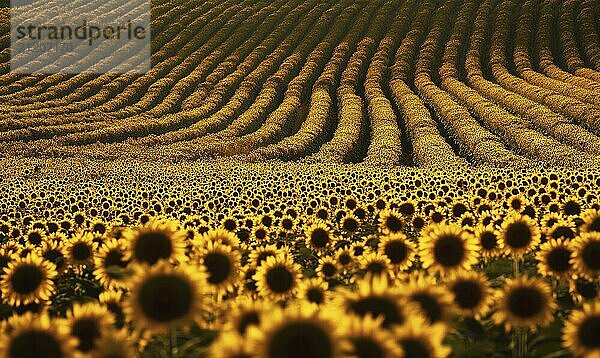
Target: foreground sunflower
point(374, 297)
point(581, 333)
point(28, 280)
point(554, 259)
point(398, 249)
point(318, 236)
point(586, 255)
point(88, 323)
point(433, 301)
point(163, 297)
point(420, 340)
point(297, 332)
point(156, 240)
point(111, 263)
point(245, 312)
point(278, 277)
point(524, 302)
point(490, 245)
point(520, 234)
point(391, 221)
point(365, 338)
point(472, 293)
point(36, 336)
point(447, 248)
point(222, 266)
point(80, 250)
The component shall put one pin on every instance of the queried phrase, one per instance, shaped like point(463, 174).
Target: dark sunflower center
point(396, 251)
point(572, 208)
point(300, 340)
point(414, 348)
point(430, 306)
point(518, 235)
point(229, 225)
point(26, 279)
point(467, 294)
point(280, 279)
point(589, 332)
point(165, 298)
point(350, 224)
point(449, 251)
point(364, 347)
point(218, 267)
point(558, 259)
point(153, 246)
point(260, 234)
point(33, 344)
point(591, 255)
point(375, 267)
point(437, 217)
point(345, 259)
point(393, 223)
point(247, 320)
point(329, 270)
point(586, 289)
point(315, 295)
point(114, 258)
point(378, 306)
point(86, 330)
point(35, 238)
point(81, 251)
point(526, 302)
point(287, 224)
point(489, 240)
point(595, 224)
point(319, 238)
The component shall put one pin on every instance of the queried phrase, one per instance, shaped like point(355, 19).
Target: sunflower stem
point(170, 345)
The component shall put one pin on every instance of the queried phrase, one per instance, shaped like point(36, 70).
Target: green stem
point(170, 347)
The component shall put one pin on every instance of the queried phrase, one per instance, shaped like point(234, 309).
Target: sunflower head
point(524, 302)
point(520, 235)
point(28, 280)
point(586, 255)
point(87, 323)
point(447, 248)
point(156, 240)
point(278, 277)
point(163, 297)
point(581, 333)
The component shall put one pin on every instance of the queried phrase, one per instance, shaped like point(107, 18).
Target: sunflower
point(519, 234)
point(163, 297)
point(420, 340)
point(583, 290)
point(591, 220)
point(54, 252)
point(433, 301)
point(297, 332)
point(581, 333)
point(554, 259)
point(472, 293)
point(364, 338)
point(375, 263)
point(260, 253)
point(113, 301)
point(313, 290)
point(111, 263)
point(350, 224)
point(374, 297)
point(490, 245)
point(524, 302)
point(156, 240)
point(260, 233)
point(318, 236)
point(87, 323)
point(446, 248)
point(28, 280)
point(35, 237)
point(278, 277)
point(35, 335)
point(391, 221)
point(229, 224)
point(586, 255)
point(344, 260)
point(287, 224)
point(571, 207)
point(398, 249)
point(229, 344)
point(245, 312)
point(114, 344)
point(327, 268)
point(221, 264)
point(80, 250)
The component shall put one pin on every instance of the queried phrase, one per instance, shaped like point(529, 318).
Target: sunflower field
point(309, 178)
